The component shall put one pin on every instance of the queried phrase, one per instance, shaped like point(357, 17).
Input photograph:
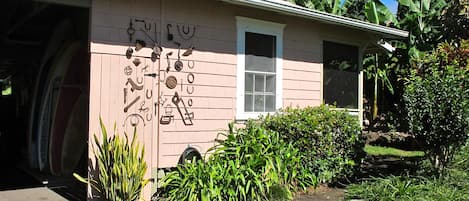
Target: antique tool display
point(145, 24)
point(130, 30)
point(126, 108)
point(133, 85)
point(178, 65)
point(170, 36)
point(180, 81)
point(136, 62)
point(169, 61)
point(182, 109)
point(188, 52)
point(171, 82)
point(128, 70)
point(134, 119)
point(139, 44)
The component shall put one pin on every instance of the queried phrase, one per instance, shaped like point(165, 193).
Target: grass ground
point(389, 151)
point(452, 185)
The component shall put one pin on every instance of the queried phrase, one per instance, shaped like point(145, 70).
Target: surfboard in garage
point(62, 31)
point(67, 123)
point(48, 104)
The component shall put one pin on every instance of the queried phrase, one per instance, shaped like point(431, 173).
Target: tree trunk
point(375, 94)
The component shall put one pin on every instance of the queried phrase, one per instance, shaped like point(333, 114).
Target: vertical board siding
point(214, 95)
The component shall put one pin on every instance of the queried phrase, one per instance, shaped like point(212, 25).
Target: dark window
point(340, 75)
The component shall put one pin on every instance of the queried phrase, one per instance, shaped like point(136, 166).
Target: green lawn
point(389, 151)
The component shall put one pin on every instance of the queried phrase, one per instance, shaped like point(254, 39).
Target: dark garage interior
point(44, 82)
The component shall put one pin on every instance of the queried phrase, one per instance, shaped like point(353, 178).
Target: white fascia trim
point(244, 25)
point(294, 10)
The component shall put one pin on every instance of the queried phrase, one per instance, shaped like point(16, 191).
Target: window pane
point(270, 83)
point(269, 103)
point(260, 52)
point(340, 75)
point(248, 106)
point(259, 83)
point(248, 84)
point(259, 103)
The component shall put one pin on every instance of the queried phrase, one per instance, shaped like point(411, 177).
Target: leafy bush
point(249, 164)
point(121, 167)
point(437, 104)
point(461, 160)
point(329, 141)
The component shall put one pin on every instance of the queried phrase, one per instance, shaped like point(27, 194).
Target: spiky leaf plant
point(121, 167)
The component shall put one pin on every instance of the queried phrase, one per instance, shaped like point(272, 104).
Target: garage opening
point(44, 84)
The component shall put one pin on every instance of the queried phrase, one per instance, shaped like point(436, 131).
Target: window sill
point(243, 117)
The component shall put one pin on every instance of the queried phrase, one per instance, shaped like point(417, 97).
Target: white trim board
point(244, 25)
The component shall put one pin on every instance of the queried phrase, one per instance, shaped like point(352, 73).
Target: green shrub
point(248, 164)
point(329, 140)
point(436, 100)
point(461, 159)
point(121, 167)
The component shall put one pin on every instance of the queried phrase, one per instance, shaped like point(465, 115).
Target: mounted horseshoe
point(149, 116)
point(190, 78)
point(151, 94)
point(190, 91)
point(189, 102)
point(189, 64)
point(140, 81)
point(186, 35)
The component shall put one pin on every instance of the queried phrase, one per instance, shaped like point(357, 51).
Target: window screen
point(340, 75)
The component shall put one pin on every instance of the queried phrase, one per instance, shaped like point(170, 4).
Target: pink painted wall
point(214, 96)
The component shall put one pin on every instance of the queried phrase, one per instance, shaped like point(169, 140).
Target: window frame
point(244, 25)
point(359, 71)
point(361, 46)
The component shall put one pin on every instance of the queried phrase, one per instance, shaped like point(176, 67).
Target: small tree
point(437, 103)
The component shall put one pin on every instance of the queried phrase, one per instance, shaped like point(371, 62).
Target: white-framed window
point(341, 75)
point(259, 67)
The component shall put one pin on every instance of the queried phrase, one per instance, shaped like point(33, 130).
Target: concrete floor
point(31, 194)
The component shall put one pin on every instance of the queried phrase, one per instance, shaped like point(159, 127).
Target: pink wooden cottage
point(179, 71)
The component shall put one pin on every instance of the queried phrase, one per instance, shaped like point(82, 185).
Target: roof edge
point(295, 10)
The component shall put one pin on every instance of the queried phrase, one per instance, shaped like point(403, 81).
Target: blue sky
point(391, 4)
